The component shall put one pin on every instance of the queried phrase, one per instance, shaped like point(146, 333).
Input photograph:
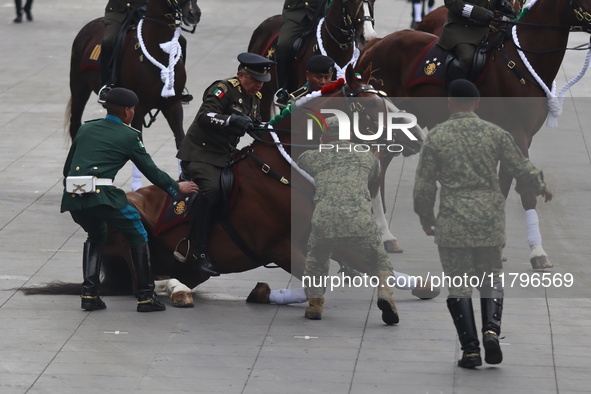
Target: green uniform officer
point(100, 149)
point(342, 219)
point(463, 155)
point(467, 25)
point(319, 73)
point(230, 107)
point(297, 18)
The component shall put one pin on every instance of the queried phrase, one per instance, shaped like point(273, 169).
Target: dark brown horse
point(162, 21)
point(542, 32)
point(271, 216)
point(346, 24)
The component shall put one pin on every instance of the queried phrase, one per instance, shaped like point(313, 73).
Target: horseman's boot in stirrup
point(491, 305)
point(314, 311)
point(463, 315)
point(91, 266)
point(147, 301)
point(105, 71)
point(385, 301)
point(204, 211)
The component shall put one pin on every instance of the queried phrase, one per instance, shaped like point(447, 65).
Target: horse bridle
point(349, 23)
point(582, 15)
point(176, 16)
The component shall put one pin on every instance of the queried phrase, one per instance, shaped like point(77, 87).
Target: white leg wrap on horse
point(160, 287)
point(404, 281)
point(136, 178)
point(288, 296)
point(534, 237)
point(380, 216)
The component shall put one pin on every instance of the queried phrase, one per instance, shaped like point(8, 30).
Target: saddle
point(437, 66)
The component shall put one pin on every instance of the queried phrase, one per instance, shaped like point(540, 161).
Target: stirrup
point(101, 93)
point(178, 255)
point(186, 97)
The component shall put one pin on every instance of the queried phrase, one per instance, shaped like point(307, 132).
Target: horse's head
point(364, 20)
point(376, 120)
point(186, 11)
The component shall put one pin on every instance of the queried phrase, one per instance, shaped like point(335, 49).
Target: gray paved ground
point(49, 345)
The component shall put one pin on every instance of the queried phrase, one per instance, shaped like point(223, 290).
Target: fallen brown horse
point(270, 208)
point(542, 33)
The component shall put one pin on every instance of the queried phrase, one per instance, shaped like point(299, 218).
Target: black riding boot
point(105, 70)
point(147, 301)
point(491, 305)
point(91, 267)
point(463, 315)
point(204, 212)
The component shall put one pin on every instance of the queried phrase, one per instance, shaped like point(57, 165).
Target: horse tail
point(116, 280)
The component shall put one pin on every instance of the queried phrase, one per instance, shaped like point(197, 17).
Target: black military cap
point(463, 88)
point(121, 96)
point(320, 64)
point(257, 66)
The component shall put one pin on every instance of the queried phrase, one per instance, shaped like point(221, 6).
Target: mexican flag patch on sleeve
point(219, 93)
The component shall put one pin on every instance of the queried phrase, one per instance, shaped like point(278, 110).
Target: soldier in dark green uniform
point(101, 148)
point(343, 220)
point(463, 154)
point(230, 107)
point(319, 72)
point(297, 18)
point(467, 25)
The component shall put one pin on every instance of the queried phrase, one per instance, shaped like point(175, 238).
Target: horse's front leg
point(391, 244)
point(538, 257)
point(173, 112)
point(180, 295)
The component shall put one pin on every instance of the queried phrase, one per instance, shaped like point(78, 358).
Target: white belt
point(103, 182)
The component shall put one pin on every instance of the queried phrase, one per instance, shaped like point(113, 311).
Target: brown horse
point(346, 24)
point(542, 32)
point(162, 21)
point(270, 206)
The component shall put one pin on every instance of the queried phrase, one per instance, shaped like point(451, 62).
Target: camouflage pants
point(471, 262)
point(367, 248)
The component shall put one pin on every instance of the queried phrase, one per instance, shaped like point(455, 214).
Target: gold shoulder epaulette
point(234, 82)
point(259, 95)
point(299, 93)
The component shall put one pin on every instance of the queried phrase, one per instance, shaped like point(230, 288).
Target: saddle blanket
point(430, 68)
point(174, 212)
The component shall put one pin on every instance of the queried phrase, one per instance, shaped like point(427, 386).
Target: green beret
point(320, 64)
point(121, 96)
point(463, 88)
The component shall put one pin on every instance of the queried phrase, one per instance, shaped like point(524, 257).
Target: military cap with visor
point(320, 64)
point(121, 96)
point(259, 67)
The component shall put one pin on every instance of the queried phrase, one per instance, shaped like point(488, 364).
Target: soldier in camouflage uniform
point(342, 219)
point(230, 107)
point(101, 148)
point(462, 154)
point(467, 25)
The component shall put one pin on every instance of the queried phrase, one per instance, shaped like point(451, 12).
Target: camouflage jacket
point(342, 203)
point(462, 154)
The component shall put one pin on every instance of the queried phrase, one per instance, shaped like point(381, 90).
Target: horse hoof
point(426, 292)
point(182, 299)
point(392, 246)
point(540, 262)
point(260, 294)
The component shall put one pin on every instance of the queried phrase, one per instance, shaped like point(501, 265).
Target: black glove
point(507, 8)
point(488, 16)
point(241, 122)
